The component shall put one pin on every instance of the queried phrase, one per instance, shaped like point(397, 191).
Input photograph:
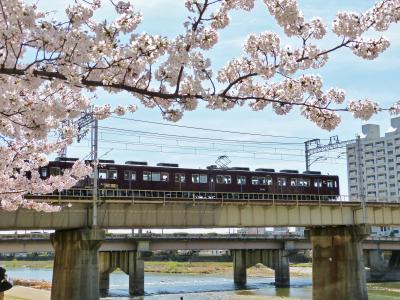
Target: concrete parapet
point(76, 273)
point(338, 264)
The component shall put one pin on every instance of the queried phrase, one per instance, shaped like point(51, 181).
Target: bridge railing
point(83, 195)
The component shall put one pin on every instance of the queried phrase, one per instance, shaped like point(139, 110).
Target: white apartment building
point(373, 164)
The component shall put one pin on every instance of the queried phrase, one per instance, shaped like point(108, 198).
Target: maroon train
point(170, 177)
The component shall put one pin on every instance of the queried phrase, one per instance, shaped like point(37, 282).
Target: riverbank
point(172, 267)
point(26, 293)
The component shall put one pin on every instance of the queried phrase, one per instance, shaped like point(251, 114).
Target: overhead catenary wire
point(215, 130)
point(196, 153)
point(188, 138)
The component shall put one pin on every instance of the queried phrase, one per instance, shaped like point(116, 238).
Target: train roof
point(208, 168)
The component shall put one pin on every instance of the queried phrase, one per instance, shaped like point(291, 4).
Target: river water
point(196, 287)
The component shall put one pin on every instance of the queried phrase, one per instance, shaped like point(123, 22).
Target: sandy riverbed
point(26, 293)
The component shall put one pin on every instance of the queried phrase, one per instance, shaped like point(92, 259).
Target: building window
point(146, 176)
point(112, 174)
point(180, 177)
point(241, 180)
point(155, 176)
point(195, 178)
point(164, 176)
point(318, 183)
point(203, 178)
point(281, 181)
point(224, 179)
point(55, 171)
point(102, 174)
point(129, 175)
point(44, 172)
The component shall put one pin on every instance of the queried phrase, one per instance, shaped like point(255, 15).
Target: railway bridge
point(336, 229)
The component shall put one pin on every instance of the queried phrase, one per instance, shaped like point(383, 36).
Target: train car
point(170, 177)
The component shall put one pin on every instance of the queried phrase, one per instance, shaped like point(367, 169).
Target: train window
point(102, 174)
point(281, 181)
point(203, 178)
point(224, 179)
point(155, 176)
point(146, 176)
point(43, 172)
point(306, 182)
point(164, 177)
point(54, 171)
point(241, 180)
point(293, 182)
point(195, 178)
point(269, 180)
point(329, 183)
point(112, 174)
point(129, 175)
point(180, 177)
point(317, 183)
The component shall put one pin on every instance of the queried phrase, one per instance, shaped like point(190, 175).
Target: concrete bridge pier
point(239, 267)
point(136, 274)
point(275, 259)
point(75, 272)
point(281, 266)
point(338, 262)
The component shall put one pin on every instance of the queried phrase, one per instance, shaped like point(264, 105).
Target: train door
point(212, 183)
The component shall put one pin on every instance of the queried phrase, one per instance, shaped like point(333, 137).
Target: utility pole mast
point(334, 143)
point(94, 146)
point(87, 118)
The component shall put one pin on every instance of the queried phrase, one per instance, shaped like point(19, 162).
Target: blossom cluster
point(48, 67)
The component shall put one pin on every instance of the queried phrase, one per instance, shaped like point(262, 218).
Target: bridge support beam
point(75, 273)
point(275, 259)
point(136, 274)
point(376, 264)
point(338, 264)
point(239, 267)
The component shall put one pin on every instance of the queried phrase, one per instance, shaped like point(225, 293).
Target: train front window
point(102, 174)
point(155, 176)
point(54, 171)
point(281, 181)
point(146, 176)
point(203, 178)
point(164, 177)
point(180, 177)
point(241, 180)
point(112, 174)
point(195, 178)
